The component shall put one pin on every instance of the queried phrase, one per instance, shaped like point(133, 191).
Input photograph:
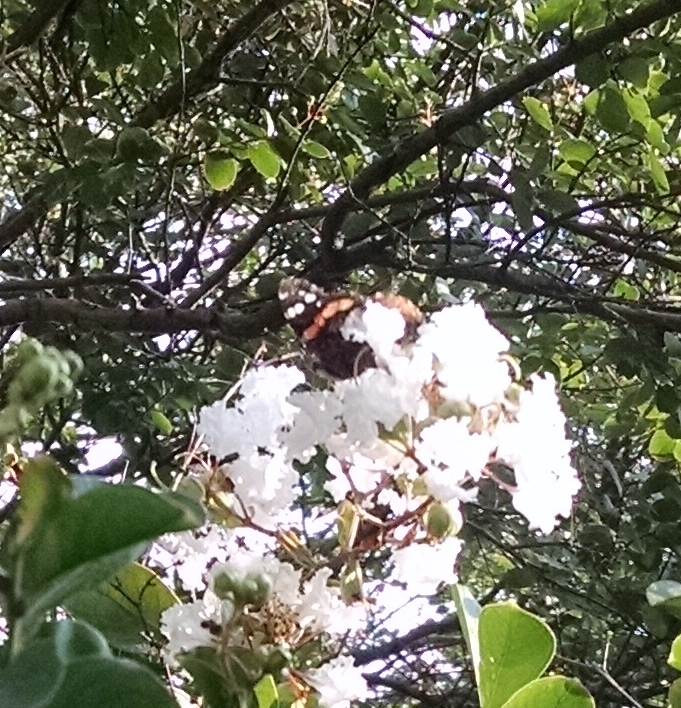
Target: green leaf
point(515, 648)
point(264, 159)
point(220, 169)
point(626, 290)
point(125, 609)
point(74, 138)
point(373, 110)
point(656, 137)
point(210, 677)
point(674, 659)
point(163, 35)
point(593, 71)
point(538, 112)
point(557, 201)
point(552, 692)
point(161, 421)
point(661, 445)
point(315, 149)
point(266, 692)
point(151, 70)
point(637, 106)
point(658, 173)
point(576, 151)
point(468, 611)
point(72, 532)
point(540, 161)
point(554, 13)
point(665, 594)
point(612, 111)
point(73, 666)
point(635, 70)
point(675, 694)
point(522, 200)
point(422, 8)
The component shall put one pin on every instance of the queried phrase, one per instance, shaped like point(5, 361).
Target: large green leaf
point(125, 609)
point(551, 692)
point(71, 533)
point(675, 694)
point(74, 668)
point(515, 648)
point(538, 112)
point(468, 611)
point(674, 659)
point(264, 158)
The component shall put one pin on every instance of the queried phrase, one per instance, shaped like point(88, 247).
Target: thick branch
point(36, 24)
point(407, 642)
point(154, 321)
point(619, 312)
point(469, 113)
point(19, 222)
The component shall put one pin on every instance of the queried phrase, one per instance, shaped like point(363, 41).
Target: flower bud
point(438, 521)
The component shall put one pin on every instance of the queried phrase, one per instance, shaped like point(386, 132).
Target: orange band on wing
point(334, 307)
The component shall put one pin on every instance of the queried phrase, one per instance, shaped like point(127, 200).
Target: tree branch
point(587, 303)
point(206, 74)
point(153, 321)
point(169, 102)
point(453, 120)
point(36, 24)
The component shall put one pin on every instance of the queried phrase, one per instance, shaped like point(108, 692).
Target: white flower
point(321, 608)
point(258, 416)
point(316, 420)
point(338, 682)
point(450, 450)
point(466, 348)
point(189, 626)
point(536, 447)
point(365, 476)
point(190, 553)
point(373, 397)
point(379, 326)
point(265, 484)
point(423, 568)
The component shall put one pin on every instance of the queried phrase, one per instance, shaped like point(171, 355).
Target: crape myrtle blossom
point(405, 443)
point(338, 682)
point(282, 608)
point(534, 445)
point(192, 553)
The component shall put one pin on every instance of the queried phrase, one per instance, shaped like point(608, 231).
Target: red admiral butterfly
point(317, 317)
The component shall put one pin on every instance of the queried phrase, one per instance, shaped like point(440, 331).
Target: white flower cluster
point(282, 607)
point(406, 443)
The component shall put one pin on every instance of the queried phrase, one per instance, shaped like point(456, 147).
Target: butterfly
point(317, 316)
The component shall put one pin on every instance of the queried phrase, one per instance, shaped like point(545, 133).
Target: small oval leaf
point(538, 112)
point(264, 159)
point(220, 169)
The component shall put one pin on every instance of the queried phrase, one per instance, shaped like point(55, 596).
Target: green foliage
point(144, 146)
point(515, 649)
point(511, 649)
point(221, 169)
point(73, 666)
point(71, 533)
point(126, 609)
